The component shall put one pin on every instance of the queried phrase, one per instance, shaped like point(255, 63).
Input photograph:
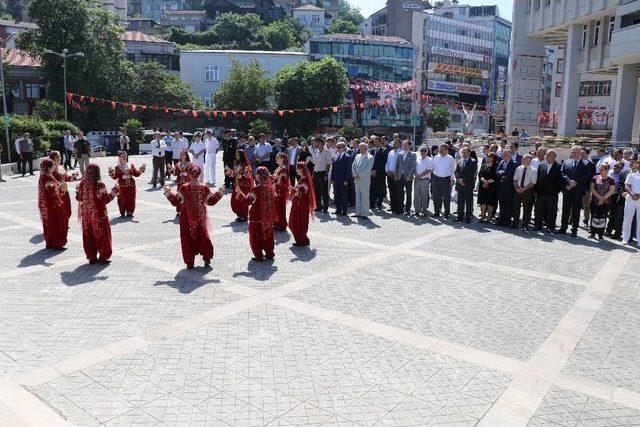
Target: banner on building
point(456, 69)
point(435, 50)
point(388, 104)
point(455, 87)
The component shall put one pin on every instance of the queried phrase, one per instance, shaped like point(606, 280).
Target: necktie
point(524, 174)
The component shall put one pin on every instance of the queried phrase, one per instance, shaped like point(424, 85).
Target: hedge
point(45, 133)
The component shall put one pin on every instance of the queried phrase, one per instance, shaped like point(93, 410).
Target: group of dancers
point(258, 197)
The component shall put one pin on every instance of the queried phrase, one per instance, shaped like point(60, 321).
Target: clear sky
point(367, 7)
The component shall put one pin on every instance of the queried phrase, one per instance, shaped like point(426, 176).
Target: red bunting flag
point(113, 105)
point(69, 97)
point(194, 113)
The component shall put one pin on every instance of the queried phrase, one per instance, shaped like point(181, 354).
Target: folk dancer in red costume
point(303, 204)
point(262, 199)
point(193, 198)
point(181, 171)
point(53, 212)
point(92, 211)
point(282, 186)
point(124, 173)
point(243, 175)
point(61, 174)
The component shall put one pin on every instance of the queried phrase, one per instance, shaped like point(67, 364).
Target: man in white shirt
point(124, 140)
point(524, 180)
point(168, 152)
point(540, 154)
point(292, 158)
point(68, 141)
point(16, 145)
point(180, 144)
point(632, 205)
point(424, 166)
point(263, 152)
point(158, 147)
point(444, 168)
point(212, 145)
point(616, 156)
point(197, 151)
point(390, 169)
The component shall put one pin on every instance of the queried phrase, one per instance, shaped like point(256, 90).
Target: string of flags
point(588, 117)
point(81, 102)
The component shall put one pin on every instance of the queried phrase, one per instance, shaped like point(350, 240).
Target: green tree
point(247, 88)
point(343, 26)
point(48, 110)
point(351, 131)
point(152, 84)
point(235, 28)
point(348, 12)
point(283, 34)
point(79, 26)
point(438, 118)
point(135, 132)
point(258, 126)
point(309, 85)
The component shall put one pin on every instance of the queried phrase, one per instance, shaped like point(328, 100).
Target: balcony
point(625, 45)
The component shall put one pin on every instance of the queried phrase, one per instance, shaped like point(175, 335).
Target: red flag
point(91, 99)
point(69, 96)
point(224, 113)
point(133, 107)
point(81, 97)
point(194, 113)
point(244, 113)
point(281, 112)
point(113, 105)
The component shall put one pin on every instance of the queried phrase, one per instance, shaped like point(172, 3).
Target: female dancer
point(193, 198)
point(262, 199)
point(96, 230)
point(243, 181)
point(124, 174)
point(53, 212)
point(282, 186)
point(303, 203)
point(181, 171)
point(60, 174)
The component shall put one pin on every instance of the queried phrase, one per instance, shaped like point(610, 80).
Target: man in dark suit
point(292, 159)
point(405, 171)
point(548, 186)
point(229, 148)
point(586, 198)
point(466, 171)
point(378, 174)
point(575, 180)
point(340, 175)
point(506, 169)
point(515, 156)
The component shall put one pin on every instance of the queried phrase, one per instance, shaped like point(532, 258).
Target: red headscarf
point(194, 171)
point(309, 183)
point(45, 175)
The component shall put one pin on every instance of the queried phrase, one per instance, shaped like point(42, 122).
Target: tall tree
point(348, 12)
point(343, 26)
point(247, 88)
point(233, 27)
point(79, 26)
point(283, 34)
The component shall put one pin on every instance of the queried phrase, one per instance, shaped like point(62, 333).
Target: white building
point(203, 70)
point(311, 17)
point(600, 37)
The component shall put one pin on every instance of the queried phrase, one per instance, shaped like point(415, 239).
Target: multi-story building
point(188, 20)
point(144, 25)
point(311, 17)
point(600, 38)
point(119, 7)
point(376, 24)
point(23, 80)
point(380, 69)
point(155, 9)
point(204, 70)
point(141, 47)
point(10, 29)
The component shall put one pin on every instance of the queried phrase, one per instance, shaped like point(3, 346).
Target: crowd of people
point(520, 191)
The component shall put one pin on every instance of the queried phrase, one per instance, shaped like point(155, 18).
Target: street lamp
point(64, 55)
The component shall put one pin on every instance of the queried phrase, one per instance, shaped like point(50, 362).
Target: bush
point(134, 132)
point(259, 126)
point(351, 131)
point(60, 126)
point(36, 127)
point(48, 110)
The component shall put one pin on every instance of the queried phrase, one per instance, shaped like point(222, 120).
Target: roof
point(19, 58)
point(244, 52)
point(360, 37)
point(185, 12)
point(10, 23)
point(137, 36)
point(308, 7)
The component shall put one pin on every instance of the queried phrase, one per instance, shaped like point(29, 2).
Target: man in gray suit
point(361, 172)
point(405, 170)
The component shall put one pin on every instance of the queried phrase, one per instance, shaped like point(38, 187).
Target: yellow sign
point(456, 69)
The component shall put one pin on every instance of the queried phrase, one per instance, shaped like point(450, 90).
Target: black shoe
point(560, 231)
point(550, 230)
point(537, 228)
point(446, 216)
point(457, 219)
point(574, 233)
point(325, 210)
point(435, 215)
point(337, 212)
point(525, 227)
point(467, 221)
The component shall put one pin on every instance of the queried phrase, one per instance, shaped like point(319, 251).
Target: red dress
point(61, 175)
point(53, 212)
point(282, 186)
point(262, 199)
point(180, 170)
point(299, 215)
point(244, 179)
point(193, 199)
point(96, 229)
point(124, 174)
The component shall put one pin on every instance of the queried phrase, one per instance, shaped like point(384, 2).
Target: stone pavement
point(392, 322)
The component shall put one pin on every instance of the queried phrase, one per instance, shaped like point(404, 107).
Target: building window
point(537, 4)
point(32, 91)
point(558, 89)
point(211, 73)
point(315, 19)
point(207, 100)
point(612, 25)
point(585, 30)
point(597, 88)
point(606, 88)
point(585, 88)
point(560, 65)
point(596, 33)
point(15, 92)
point(548, 3)
point(529, 7)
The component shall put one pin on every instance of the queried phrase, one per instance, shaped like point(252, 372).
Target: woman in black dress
point(488, 188)
point(305, 156)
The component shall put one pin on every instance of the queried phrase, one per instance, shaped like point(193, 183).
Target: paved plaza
point(395, 321)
